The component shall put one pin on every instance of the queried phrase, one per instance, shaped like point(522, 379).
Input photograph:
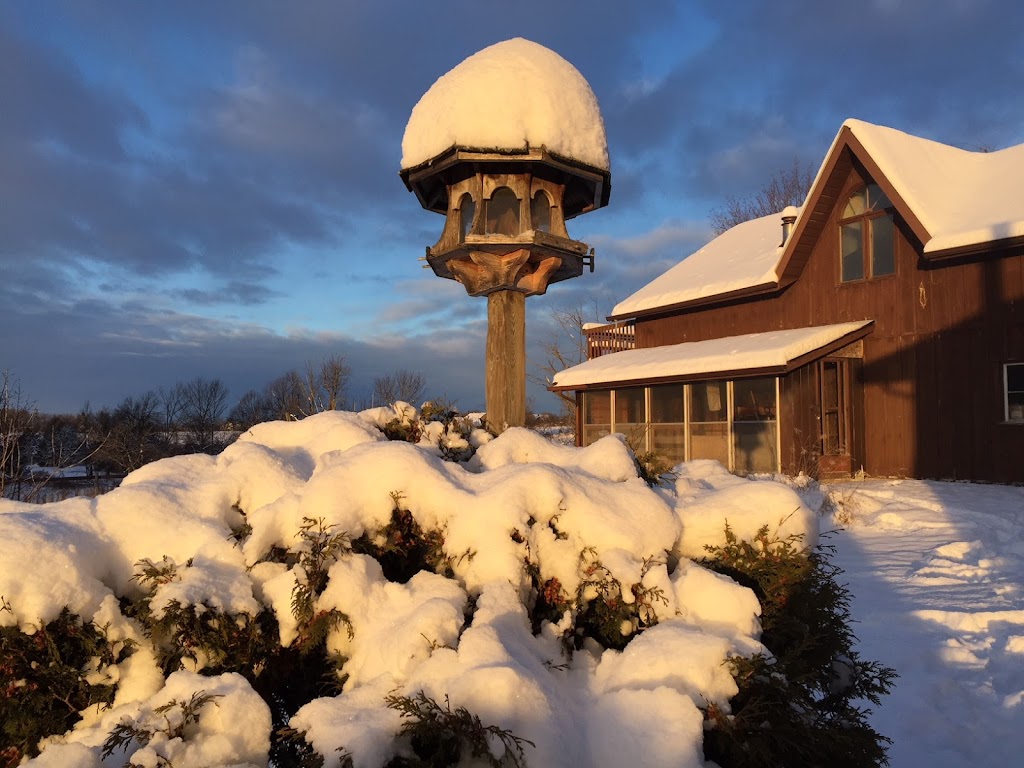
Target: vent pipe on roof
point(789, 214)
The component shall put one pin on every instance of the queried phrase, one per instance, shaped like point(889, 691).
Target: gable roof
point(961, 198)
point(767, 353)
point(955, 201)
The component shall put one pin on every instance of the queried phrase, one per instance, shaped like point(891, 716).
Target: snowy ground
point(937, 574)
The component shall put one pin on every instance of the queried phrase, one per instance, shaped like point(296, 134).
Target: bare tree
point(253, 408)
point(172, 404)
point(286, 396)
point(564, 346)
point(787, 187)
point(134, 427)
point(405, 385)
point(326, 382)
point(320, 386)
point(204, 402)
point(17, 417)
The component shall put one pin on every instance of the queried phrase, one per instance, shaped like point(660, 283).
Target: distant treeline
point(188, 417)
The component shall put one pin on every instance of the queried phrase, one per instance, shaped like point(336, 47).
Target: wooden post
point(506, 360)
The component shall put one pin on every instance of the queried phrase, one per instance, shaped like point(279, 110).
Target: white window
point(1013, 392)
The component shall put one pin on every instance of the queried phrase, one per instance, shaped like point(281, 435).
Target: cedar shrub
point(803, 706)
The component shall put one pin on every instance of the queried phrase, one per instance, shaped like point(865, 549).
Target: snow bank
point(709, 498)
point(522, 513)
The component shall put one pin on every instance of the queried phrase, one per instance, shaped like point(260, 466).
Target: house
point(879, 328)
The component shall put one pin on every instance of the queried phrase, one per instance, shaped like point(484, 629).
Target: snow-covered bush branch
point(322, 581)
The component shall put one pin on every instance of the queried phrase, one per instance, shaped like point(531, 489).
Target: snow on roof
point(742, 257)
point(961, 197)
point(513, 95)
point(770, 349)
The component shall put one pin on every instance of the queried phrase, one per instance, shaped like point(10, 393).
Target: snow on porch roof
point(740, 258)
point(773, 350)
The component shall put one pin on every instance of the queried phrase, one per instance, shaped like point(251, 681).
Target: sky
point(211, 189)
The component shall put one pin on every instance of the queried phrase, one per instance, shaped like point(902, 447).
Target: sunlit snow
point(513, 95)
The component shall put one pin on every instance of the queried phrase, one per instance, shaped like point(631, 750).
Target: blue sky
point(211, 189)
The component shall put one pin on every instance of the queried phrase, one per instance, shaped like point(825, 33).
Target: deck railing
point(605, 339)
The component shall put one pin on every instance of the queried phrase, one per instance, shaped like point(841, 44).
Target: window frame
point(1007, 391)
point(866, 221)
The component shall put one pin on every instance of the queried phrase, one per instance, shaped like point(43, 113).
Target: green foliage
point(452, 441)
point(803, 705)
point(214, 641)
point(403, 548)
point(652, 467)
point(403, 430)
point(597, 609)
point(320, 547)
point(440, 736)
point(601, 611)
point(45, 680)
point(175, 718)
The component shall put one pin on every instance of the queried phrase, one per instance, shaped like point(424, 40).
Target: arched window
point(867, 244)
point(502, 213)
point(467, 209)
point(540, 211)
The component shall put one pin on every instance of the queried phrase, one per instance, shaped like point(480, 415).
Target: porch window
point(709, 421)
point(668, 427)
point(734, 422)
point(867, 240)
point(1013, 392)
point(631, 416)
point(597, 415)
point(754, 425)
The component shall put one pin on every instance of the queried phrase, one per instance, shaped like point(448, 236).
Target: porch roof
point(766, 353)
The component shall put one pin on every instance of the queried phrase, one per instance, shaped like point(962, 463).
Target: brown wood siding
point(932, 367)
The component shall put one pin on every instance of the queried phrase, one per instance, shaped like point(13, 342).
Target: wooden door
point(835, 417)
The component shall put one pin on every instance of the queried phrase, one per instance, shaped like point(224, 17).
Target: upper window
point(1013, 392)
point(866, 235)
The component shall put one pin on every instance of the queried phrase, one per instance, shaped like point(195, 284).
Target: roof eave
point(975, 249)
point(704, 301)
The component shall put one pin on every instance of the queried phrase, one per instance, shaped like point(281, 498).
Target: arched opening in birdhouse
point(540, 211)
point(502, 213)
point(467, 210)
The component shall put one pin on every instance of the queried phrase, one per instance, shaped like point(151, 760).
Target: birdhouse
point(508, 146)
point(505, 215)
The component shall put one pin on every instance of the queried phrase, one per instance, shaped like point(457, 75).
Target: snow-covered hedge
point(551, 596)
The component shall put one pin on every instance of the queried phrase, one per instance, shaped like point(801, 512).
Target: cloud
point(235, 159)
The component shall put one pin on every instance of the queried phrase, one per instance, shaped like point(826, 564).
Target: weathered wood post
point(506, 359)
point(508, 145)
